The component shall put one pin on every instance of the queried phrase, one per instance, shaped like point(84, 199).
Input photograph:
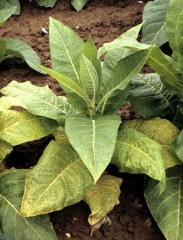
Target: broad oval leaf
point(154, 27)
point(66, 47)
point(18, 127)
point(18, 48)
point(150, 98)
point(40, 101)
point(137, 153)
point(174, 16)
point(11, 222)
point(167, 208)
point(102, 197)
point(58, 180)
point(93, 139)
point(6, 10)
point(160, 130)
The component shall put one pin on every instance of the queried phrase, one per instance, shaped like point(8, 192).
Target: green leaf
point(110, 61)
point(6, 10)
point(154, 27)
point(90, 51)
point(93, 139)
point(11, 222)
point(5, 149)
point(60, 136)
point(174, 18)
point(167, 207)
point(2, 48)
point(58, 180)
point(18, 48)
point(125, 70)
point(166, 68)
point(4, 237)
point(15, 3)
point(177, 145)
point(150, 98)
point(46, 3)
point(127, 39)
point(102, 197)
point(66, 47)
point(89, 79)
point(160, 130)
point(40, 101)
point(19, 127)
point(78, 4)
point(76, 95)
point(137, 153)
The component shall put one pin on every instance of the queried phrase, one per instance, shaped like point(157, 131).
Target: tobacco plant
point(10, 7)
point(89, 135)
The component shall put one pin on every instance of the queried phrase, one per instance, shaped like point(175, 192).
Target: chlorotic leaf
point(18, 127)
point(160, 130)
point(11, 222)
point(154, 27)
point(167, 208)
point(40, 101)
point(5, 148)
point(137, 153)
point(58, 180)
point(93, 139)
point(60, 136)
point(102, 197)
point(7, 102)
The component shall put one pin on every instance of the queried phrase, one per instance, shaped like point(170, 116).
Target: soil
point(104, 20)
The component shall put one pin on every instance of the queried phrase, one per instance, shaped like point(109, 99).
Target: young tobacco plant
point(86, 129)
point(15, 50)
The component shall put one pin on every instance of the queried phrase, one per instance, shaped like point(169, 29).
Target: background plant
point(11, 7)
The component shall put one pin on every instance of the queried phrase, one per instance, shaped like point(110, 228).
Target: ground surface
point(104, 20)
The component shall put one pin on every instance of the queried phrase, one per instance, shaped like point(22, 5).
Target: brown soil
point(104, 20)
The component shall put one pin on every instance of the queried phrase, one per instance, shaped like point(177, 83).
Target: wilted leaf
point(137, 153)
point(11, 222)
point(160, 130)
point(19, 127)
point(97, 225)
point(60, 136)
point(93, 139)
point(58, 180)
point(102, 197)
point(167, 208)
